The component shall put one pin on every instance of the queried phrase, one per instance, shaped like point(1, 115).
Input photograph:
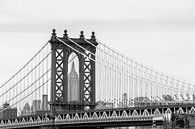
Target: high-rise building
point(125, 100)
point(25, 110)
point(7, 112)
point(73, 85)
point(45, 102)
point(36, 105)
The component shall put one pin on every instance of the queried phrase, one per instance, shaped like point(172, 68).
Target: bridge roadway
point(132, 116)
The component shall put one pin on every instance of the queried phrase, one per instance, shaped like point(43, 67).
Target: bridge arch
point(73, 78)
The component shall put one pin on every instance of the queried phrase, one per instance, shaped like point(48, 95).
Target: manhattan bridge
point(83, 83)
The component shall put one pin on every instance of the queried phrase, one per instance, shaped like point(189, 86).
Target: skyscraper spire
point(73, 85)
point(73, 67)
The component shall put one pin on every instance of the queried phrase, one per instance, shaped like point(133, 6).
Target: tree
point(140, 101)
point(167, 98)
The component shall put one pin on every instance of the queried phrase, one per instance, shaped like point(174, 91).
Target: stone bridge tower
point(61, 49)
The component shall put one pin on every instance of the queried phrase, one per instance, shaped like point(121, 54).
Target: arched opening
point(73, 78)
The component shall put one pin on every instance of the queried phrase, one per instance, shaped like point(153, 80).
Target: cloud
point(139, 15)
point(67, 10)
point(132, 22)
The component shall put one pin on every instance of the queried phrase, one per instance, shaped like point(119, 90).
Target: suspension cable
point(29, 85)
point(27, 95)
point(26, 74)
point(105, 61)
point(140, 65)
point(24, 65)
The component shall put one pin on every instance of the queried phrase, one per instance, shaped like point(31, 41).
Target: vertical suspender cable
point(39, 74)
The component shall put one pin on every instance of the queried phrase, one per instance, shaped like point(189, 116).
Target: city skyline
point(97, 64)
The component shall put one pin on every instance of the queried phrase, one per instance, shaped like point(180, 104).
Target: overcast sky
point(158, 33)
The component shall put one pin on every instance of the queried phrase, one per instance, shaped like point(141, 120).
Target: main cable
point(24, 65)
point(103, 59)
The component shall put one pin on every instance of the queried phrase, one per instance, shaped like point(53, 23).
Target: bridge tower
point(61, 49)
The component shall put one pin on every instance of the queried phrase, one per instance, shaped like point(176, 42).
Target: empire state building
point(73, 85)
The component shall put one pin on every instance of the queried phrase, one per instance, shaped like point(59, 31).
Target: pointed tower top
point(73, 67)
point(82, 35)
point(53, 34)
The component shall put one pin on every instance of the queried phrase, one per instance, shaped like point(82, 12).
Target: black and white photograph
point(97, 64)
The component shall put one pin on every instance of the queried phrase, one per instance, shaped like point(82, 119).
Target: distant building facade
point(7, 112)
point(36, 105)
point(26, 110)
point(44, 103)
point(124, 102)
